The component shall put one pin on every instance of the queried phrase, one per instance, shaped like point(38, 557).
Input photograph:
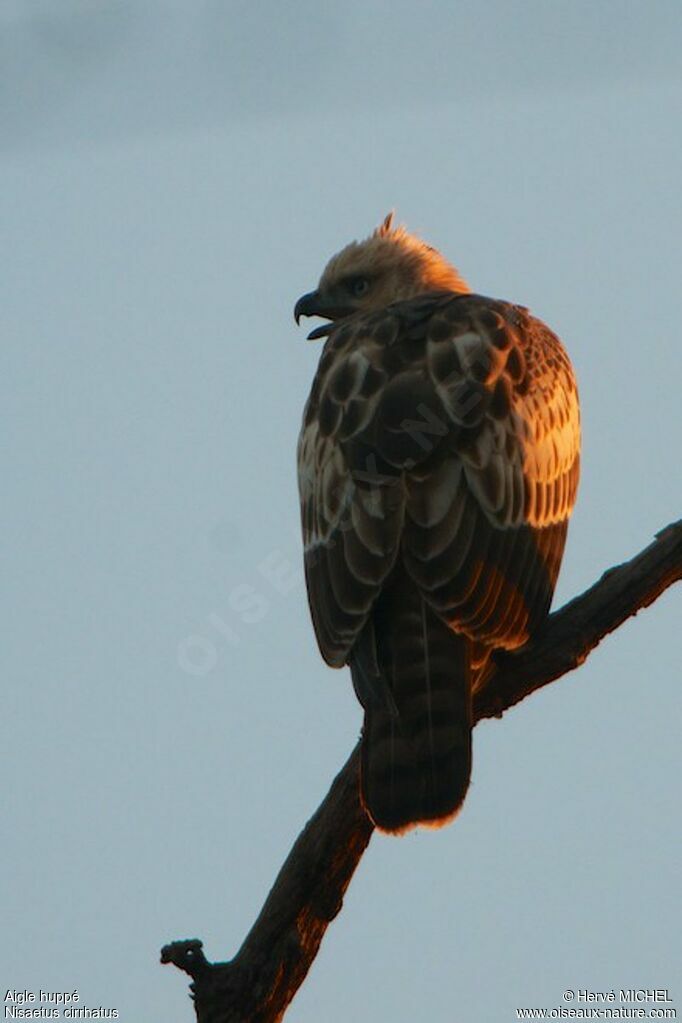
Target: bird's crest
point(386, 226)
point(401, 264)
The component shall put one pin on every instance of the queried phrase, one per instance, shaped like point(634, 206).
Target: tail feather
point(416, 749)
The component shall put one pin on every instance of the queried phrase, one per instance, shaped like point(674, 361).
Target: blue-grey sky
point(174, 175)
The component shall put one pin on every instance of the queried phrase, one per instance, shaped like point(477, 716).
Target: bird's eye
point(358, 286)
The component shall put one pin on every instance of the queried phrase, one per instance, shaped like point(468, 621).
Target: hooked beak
point(315, 304)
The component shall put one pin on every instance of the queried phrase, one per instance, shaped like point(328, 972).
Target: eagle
point(438, 466)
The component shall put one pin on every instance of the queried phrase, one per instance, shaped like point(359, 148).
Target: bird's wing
point(485, 527)
point(352, 508)
point(443, 431)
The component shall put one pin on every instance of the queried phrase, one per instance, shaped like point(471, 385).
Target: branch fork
point(274, 959)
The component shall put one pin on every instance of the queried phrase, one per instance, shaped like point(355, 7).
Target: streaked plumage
point(438, 466)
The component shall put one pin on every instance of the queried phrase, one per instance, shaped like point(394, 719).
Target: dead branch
point(260, 982)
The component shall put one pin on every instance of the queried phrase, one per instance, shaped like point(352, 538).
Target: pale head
point(389, 266)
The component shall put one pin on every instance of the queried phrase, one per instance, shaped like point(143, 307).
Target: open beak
point(315, 304)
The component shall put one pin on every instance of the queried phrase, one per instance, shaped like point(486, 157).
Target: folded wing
point(441, 433)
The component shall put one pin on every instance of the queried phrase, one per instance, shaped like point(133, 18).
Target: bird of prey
point(438, 466)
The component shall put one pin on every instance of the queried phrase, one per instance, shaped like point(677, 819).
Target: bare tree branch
point(260, 982)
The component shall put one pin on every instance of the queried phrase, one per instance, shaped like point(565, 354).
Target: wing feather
point(444, 432)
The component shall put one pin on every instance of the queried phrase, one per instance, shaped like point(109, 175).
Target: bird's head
point(389, 266)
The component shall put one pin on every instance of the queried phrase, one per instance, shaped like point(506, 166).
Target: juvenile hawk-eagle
point(438, 466)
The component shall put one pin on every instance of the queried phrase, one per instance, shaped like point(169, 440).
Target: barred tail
point(416, 690)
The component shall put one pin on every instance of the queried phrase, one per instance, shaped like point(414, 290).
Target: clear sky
point(174, 175)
